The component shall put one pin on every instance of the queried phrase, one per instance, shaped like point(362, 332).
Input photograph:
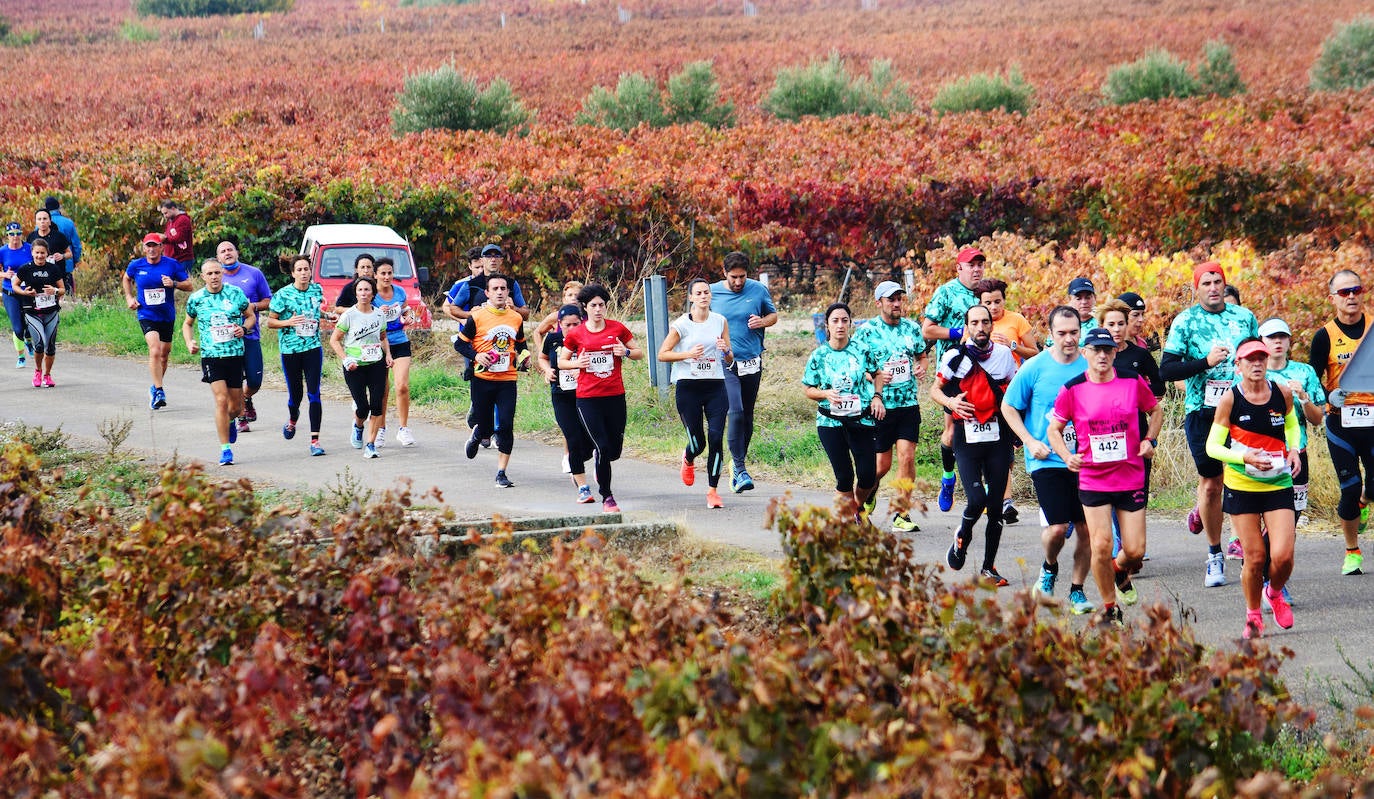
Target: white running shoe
point(381, 437)
point(405, 438)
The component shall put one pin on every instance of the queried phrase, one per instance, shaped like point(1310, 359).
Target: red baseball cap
point(970, 254)
point(1205, 267)
point(153, 238)
point(1250, 348)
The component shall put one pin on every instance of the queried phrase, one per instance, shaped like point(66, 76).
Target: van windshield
point(338, 261)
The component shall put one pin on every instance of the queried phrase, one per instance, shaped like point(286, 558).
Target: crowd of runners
point(1083, 405)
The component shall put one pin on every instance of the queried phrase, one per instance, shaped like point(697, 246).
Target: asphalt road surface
point(1329, 609)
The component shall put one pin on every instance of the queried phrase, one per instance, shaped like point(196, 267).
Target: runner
point(1013, 331)
point(1135, 330)
point(391, 299)
point(359, 342)
point(493, 338)
point(364, 265)
point(150, 284)
point(295, 311)
point(40, 286)
point(844, 379)
point(1083, 298)
point(596, 349)
point(251, 281)
point(1027, 409)
point(748, 309)
point(698, 347)
point(1103, 404)
point(970, 383)
point(1350, 415)
point(942, 322)
point(476, 269)
point(217, 318)
point(900, 352)
point(563, 394)
point(1258, 417)
point(13, 255)
point(1198, 350)
point(550, 324)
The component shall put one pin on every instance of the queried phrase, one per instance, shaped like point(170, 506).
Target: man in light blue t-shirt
point(1026, 407)
point(748, 308)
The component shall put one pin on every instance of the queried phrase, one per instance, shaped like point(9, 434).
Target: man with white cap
point(896, 345)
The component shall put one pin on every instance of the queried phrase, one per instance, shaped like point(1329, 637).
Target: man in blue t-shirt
point(251, 281)
point(1026, 407)
point(470, 292)
point(748, 309)
point(150, 284)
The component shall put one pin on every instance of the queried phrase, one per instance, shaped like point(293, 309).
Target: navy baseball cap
point(1079, 285)
point(1134, 300)
point(493, 251)
point(1099, 337)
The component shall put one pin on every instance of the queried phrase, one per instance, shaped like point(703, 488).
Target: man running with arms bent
point(749, 311)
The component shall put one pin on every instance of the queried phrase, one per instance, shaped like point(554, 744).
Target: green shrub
point(694, 96)
point(448, 100)
point(1347, 57)
point(133, 32)
point(825, 89)
point(1160, 74)
point(208, 8)
point(986, 91)
point(636, 102)
point(1216, 72)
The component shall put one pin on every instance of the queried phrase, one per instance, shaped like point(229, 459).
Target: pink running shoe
point(47, 382)
point(37, 378)
point(1194, 521)
point(1234, 550)
point(1254, 624)
point(1283, 613)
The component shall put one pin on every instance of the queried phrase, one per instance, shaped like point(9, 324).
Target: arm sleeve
point(1217, 449)
point(463, 344)
point(1319, 353)
point(1174, 367)
point(1292, 431)
point(521, 345)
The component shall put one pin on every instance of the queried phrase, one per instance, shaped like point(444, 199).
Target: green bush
point(133, 32)
point(986, 91)
point(1159, 75)
point(636, 102)
point(208, 8)
point(448, 100)
point(694, 96)
point(1347, 57)
point(1216, 72)
point(825, 89)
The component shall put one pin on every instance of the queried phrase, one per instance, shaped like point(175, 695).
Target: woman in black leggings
point(295, 312)
point(698, 347)
point(563, 397)
point(359, 339)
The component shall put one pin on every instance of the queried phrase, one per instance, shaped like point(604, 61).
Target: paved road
point(1329, 608)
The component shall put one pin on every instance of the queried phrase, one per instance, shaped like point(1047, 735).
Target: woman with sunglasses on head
point(295, 311)
point(1255, 434)
point(13, 255)
point(391, 299)
point(698, 347)
point(563, 397)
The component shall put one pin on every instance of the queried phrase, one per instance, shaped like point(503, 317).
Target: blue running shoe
point(160, 401)
point(226, 457)
point(288, 431)
point(357, 439)
point(152, 392)
point(742, 482)
point(946, 493)
point(316, 450)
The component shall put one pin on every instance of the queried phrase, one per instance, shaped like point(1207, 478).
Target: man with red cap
point(1199, 349)
point(150, 284)
point(942, 321)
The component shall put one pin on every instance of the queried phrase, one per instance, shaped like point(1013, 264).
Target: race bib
point(222, 334)
point(846, 405)
point(600, 363)
point(1071, 438)
point(501, 364)
point(154, 296)
point(1357, 416)
point(900, 368)
point(371, 353)
point(704, 367)
point(567, 379)
point(1277, 466)
point(749, 367)
point(391, 312)
point(307, 328)
point(42, 301)
point(1300, 498)
point(1108, 447)
point(1215, 390)
point(976, 432)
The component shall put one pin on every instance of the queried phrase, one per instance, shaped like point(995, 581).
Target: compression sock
point(1214, 549)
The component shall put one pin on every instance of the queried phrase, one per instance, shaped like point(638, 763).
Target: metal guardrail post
point(656, 321)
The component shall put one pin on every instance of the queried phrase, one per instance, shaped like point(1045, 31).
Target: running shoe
point(584, 495)
point(1354, 563)
point(1275, 604)
point(288, 431)
point(47, 382)
point(713, 499)
point(990, 574)
point(405, 438)
point(1195, 520)
point(1112, 615)
point(608, 505)
point(1067, 533)
point(1254, 624)
point(1216, 571)
point(233, 432)
point(160, 401)
point(1044, 587)
point(243, 425)
point(1009, 513)
point(370, 451)
point(226, 457)
point(152, 398)
point(381, 437)
point(1125, 590)
point(21, 363)
point(902, 523)
point(357, 438)
point(37, 378)
point(1079, 604)
point(486, 443)
point(688, 471)
point(502, 481)
point(958, 551)
point(316, 450)
point(1234, 550)
point(470, 449)
point(249, 412)
point(946, 500)
point(566, 466)
point(742, 482)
